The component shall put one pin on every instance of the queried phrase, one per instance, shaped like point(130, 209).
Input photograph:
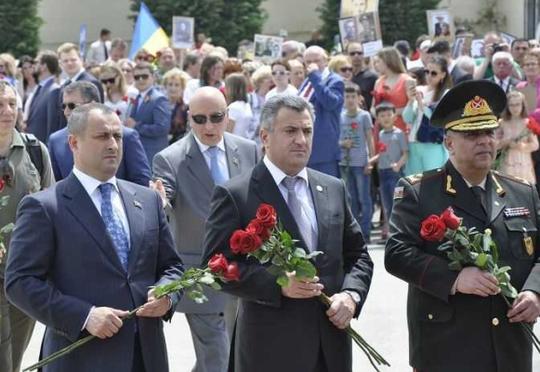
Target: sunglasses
point(352, 54)
point(274, 73)
point(141, 77)
point(345, 69)
point(70, 105)
point(108, 81)
point(215, 118)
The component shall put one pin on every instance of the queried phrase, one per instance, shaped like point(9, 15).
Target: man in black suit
point(442, 47)
point(72, 66)
point(287, 329)
point(445, 307)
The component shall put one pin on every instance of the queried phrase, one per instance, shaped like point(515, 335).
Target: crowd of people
point(189, 122)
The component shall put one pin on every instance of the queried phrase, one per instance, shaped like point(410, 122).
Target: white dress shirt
point(222, 155)
point(301, 188)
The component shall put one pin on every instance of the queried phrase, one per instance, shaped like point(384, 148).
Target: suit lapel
point(135, 216)
point(84, 211)
point(319, 194)
point(197, 165)
point(233, 161)
point(464, 199)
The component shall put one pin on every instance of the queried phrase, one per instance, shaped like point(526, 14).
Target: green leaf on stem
point(305, 269)
point(283, 280)
point(481, 260)
point(300, 253)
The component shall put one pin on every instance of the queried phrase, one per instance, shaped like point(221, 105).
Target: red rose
point(354, 125)
point(533, 126)
point(432, 229)
point(450, 219)
point(218, 264)
point(243, 242)
point(266, 214)
point(232, 273)
point(256, 227)
point(2, 184)
point(381, 147)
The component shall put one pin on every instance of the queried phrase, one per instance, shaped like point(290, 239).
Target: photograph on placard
point(348, 29)
point(477, 48)
point(462, 45)
point(182, 32)
point(353, 8)
point(440, 24)
point(267, 47)
point(369, 28)
point(508, 38)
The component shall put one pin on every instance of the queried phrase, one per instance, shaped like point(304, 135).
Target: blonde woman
point(115, 88)
point(341, 65)
point(174, 82)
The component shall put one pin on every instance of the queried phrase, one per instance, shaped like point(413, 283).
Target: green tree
point(329, 14)
point(226, 21)
point(19, 27)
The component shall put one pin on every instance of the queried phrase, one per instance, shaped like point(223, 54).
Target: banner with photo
point(462, 45)
point(352, 8)
point(365, 29)
point(183, 32)
point(440, 25)
point(267, 48)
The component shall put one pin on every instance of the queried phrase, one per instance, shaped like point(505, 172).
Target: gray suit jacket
point(189, 187)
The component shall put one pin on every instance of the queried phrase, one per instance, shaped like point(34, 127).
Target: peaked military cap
point(470, 106)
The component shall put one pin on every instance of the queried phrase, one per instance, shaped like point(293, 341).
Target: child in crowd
point(357, 146)
point(392, 155)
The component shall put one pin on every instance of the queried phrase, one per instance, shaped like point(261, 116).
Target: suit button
point(430, 316)
point(495, 322)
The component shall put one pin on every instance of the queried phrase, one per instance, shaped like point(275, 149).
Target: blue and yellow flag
point(147, 34)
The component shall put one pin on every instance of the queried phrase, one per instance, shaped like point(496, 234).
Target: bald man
point(186, 173)
point(324, 90)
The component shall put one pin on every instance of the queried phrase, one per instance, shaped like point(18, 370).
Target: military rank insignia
point(516, 212)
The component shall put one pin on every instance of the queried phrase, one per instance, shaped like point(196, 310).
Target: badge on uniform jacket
point(528, 244)
point(516, 212)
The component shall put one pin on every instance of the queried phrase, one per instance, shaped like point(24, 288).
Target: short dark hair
point(440, 47)
point(189, 60)
point(104, 32)
point(352, 88)
point(88, 91)
point(384, 106)
point(403, 47)
point(281, 62)
point(49, 59)
point(518, 40)
point(144, 66)
point(118, 43)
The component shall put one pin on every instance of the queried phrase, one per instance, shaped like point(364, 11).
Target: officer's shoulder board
point(512, 178)
point(415, 179)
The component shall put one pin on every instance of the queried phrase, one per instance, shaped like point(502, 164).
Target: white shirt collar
point(144, 92)
point(89, 183)
point(220, 145)
point(481, 184)
point(325, 73)
point(46, 80)
point(278, 175)
point(74, 78)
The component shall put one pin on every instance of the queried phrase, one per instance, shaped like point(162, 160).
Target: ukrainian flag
point(147, 34)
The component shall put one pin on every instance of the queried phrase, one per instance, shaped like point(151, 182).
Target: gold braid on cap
point(477, 111)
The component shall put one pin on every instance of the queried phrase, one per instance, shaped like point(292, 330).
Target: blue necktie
point(113, 224)
point(215, 170)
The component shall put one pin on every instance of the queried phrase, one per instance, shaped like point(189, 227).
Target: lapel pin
point(235, 161)
point(137, 204)
point(319, 188)
point(497, 203)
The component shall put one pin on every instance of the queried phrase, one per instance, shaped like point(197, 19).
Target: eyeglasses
point(274, 73)
point(70, 105)
point(141, 77)
point(108, 81)
point(433, 73)
point(352, 54)
point(345, 69)
point(215, 118)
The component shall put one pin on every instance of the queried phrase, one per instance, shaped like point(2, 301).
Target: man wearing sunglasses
point(150, 113)
point(186, 173)
point(363, 76)
point(134, 165)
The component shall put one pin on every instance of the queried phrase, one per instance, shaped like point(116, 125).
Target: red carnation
point(243, 242)
point(218, 264)
point(381, 147)
point(354, 125)
point(450, 219)
point(432, 229)
point(232, 273)
point(257, 227)
point(266, 214)
point(533, 126)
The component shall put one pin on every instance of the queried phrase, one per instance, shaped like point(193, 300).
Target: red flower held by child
point(354, 125)
point(381, 147)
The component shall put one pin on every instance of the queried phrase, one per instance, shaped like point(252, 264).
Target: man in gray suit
point(186, 174)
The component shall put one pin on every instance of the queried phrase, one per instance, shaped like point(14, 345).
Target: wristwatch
point(354, 295)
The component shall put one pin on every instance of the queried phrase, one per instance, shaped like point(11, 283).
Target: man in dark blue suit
point(324, 89)
point(72, 66)
point(103, 242)
point(40, 110)
point(134, 166)
point(150, 114)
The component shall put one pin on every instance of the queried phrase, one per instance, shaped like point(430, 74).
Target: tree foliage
point(226, 21)
point(329, 14)
point(19, 27)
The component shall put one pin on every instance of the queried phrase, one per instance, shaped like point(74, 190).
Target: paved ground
point(382, 323)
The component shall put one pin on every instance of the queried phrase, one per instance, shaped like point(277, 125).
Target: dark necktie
point(105, 51)
point(480, 195)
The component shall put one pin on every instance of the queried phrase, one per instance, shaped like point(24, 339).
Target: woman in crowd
point(426, 149)
point(174, 82)
point(239, 109)
point(262, 82)
point(280, 76)
point(531, 69)
point(127, 67)
point(29, 77)
point(391, 85)
point(211, 75)
point(115, 88)
point(342, 66)
point(516, 141)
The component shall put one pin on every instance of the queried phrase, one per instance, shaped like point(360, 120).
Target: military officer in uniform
point(457, 320)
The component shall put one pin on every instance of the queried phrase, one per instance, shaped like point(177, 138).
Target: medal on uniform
point(528, 243)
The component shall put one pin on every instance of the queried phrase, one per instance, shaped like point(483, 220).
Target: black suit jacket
point(439, 321)
point(293, 330)
point(511, 85)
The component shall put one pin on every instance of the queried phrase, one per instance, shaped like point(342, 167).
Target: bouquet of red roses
point(469, 247)
point(270, 244)
point(191, 282)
